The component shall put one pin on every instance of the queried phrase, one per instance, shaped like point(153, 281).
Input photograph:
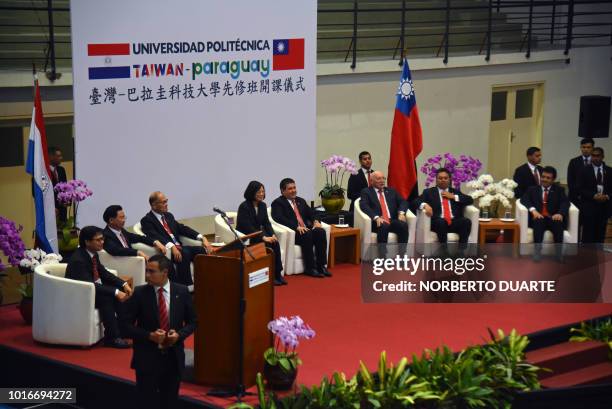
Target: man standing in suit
point(159, 317)
point(387, 209)
point(58, 175)
point(361, 180)
point(84, 265)
point(595, 185)
point(528, 174)
point(574, 169)
point(293, 211)
point(161, 225)
point(445, 206)
point(548, 209)
point(118, 241)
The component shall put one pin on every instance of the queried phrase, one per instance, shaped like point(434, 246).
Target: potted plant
point(332, 194)
point(32, 259)
point(462, 170)
point(70, 194)
point(492, 196)
point(11, 245)
point(281, 361)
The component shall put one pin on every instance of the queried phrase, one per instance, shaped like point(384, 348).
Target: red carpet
point(347, 330)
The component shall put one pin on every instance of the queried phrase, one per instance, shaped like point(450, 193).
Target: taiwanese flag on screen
point(406, 138)
point(288, 54)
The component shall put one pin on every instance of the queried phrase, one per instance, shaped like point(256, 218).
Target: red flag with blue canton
point(288, 54)
point(406, 137)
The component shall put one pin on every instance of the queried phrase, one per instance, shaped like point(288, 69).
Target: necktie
point(167, 229)
point(123, 240)
point(369, 178)
point(55, 177)
point(383, 205)
point(586, 161)
point(599, 177)
point(447, 210)
point(297, 214)
point(96, 274)
point(536, 176)
point(545, 203)
point(164, 323)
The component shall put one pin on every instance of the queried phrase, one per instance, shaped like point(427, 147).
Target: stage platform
point(347, 331)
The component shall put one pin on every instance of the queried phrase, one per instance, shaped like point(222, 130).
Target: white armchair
point(570, 236)
point(293, 263)
point(128, 266)
point(363, 222)
point(425, 238)
point(64, 310)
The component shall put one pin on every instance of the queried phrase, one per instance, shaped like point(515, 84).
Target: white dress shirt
point(442, 203)
point(121, 237)
point(386, 205)
point(595, 170)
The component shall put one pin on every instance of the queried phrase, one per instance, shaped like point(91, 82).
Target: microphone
point(221, 212)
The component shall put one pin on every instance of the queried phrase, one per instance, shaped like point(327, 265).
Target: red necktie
point(297, 214)
point(545, 203)
point(167, 228)
point(123, 240)
point(536, 176)
point(96, 274)
point(55, 177)
point(447, 210)
point(164, 323)
point(383, 206)
point(369, 179)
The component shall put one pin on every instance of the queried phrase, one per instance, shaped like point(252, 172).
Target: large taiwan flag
point(406, 138)
point(42, 187)
point(288, 54)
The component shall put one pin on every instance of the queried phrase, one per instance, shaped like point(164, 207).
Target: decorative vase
point(333, 204)
point(25, 308)
point(277, 378)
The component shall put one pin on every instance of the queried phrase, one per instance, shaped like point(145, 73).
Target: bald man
point(387, 209)
point(159, 224)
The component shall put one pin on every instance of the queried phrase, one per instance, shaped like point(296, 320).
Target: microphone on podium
point(221, 212)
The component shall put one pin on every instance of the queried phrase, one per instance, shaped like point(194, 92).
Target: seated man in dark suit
point(58, 175)
point(293, 211)
point(84, 265)
point(118, 241)
point(445, 206)
point(161, 225)
point(159, 317)
point(387, 209)
point(548, 208)
point(595, 194)
point(361, 180)
point(528, 174)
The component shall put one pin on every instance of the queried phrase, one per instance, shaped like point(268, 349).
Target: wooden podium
point(233, 314)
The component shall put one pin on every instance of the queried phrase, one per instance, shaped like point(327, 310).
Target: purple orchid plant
point(71, 193)
point(335, 169)
point(10, 242)
point(464, 169)
point(287, 333)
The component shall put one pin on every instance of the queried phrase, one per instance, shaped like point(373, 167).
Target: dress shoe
point(117, 343)
point(278, 282)
point(323, 270)
point(283, 281)
point(314, 273)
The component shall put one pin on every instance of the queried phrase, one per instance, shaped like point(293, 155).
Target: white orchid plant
point(487, 191)
point(31, 259)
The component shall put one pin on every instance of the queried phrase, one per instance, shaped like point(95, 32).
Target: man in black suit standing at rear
point(58, 175)
point(159, 317)
point(84, 265)
point(548, 209)
point(574, 169)
point(118, 241)
point(161, 225)
point(361, 180)
point(387, 209)
point(445, 206)
point(293, 211)
point(595, 193)
point(528, 174)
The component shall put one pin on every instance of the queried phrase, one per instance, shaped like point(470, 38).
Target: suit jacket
point(141, 317)
point(283, 213)
point(524, 178)
point(370, 204)
point(432, 198)
point(249, 222)
point(114, 247)
point(61, 177)
point(356, 184)
point(588, 187)
point(574, 170)
point(153, 228)
point(557, 201)
point(80, 268)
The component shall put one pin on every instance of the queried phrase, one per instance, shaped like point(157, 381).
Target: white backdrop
point(199, 149)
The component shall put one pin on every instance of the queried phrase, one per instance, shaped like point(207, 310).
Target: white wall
point(355, 112)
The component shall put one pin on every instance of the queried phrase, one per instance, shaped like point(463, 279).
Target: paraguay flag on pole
point(406, 138)
point(42, 187)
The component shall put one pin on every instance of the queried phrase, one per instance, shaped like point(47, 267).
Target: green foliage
point(26, 290)
point(598, 331)
point(288, 361)
point(330, 191)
